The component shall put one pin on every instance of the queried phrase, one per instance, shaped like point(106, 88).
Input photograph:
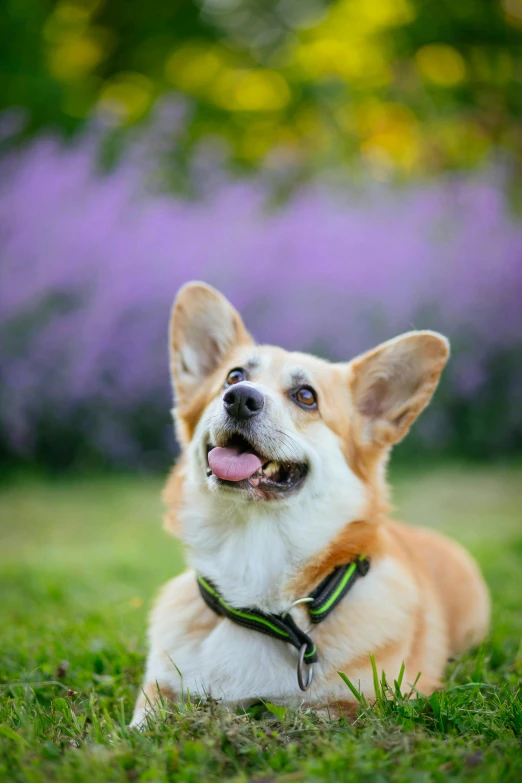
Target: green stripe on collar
point(332, 590)
point(333, 598)
point(241, 614)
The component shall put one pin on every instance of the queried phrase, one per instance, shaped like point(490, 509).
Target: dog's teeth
point(254, 480)
point(271, 468)
point(209, 471)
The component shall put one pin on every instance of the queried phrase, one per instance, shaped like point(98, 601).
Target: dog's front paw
point(153, 702)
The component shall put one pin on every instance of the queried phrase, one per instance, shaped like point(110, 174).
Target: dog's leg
point(152, 702)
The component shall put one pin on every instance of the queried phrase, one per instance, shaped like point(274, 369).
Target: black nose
point(242, 402)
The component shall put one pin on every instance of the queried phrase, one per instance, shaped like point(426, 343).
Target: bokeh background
point(343, 171)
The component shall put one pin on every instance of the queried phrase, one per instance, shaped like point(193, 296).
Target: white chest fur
point(252, 551)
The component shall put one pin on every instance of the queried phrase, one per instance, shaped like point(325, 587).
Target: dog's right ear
point(204, 328)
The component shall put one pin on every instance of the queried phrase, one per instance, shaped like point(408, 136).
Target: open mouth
point(238, 464)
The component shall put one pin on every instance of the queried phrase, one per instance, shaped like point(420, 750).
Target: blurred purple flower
point(90, 263)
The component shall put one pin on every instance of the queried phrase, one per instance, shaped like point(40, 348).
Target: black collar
point(321, 602)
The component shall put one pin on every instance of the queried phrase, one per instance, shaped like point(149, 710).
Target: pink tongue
point(231, 464)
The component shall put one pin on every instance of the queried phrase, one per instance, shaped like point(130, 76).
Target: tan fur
point(359, 538)
point(454, 579)
point(173, 498)
point(423, 600)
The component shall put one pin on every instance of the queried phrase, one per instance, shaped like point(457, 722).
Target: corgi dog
point(280, 497)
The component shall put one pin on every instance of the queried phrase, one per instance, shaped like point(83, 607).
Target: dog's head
point(258, 423)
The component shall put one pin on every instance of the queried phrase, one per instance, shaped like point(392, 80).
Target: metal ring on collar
point(306, 600)
point(300, 670)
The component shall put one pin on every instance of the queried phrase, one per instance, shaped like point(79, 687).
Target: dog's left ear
point(392, 384)
point(204, 328)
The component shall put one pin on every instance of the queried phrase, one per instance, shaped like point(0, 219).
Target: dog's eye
point(305, 397)
point(235, 376)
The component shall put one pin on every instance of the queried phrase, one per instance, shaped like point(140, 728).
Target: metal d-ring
point(300, 665)
point(306, 600)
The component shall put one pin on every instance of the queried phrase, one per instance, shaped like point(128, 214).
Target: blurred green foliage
point(411, 86)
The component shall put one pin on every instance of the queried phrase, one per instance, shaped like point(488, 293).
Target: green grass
point(80, 561)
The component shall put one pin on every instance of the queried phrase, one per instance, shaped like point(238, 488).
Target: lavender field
point(90, 263)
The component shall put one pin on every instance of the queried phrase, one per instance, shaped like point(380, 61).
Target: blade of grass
point(358, 695)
